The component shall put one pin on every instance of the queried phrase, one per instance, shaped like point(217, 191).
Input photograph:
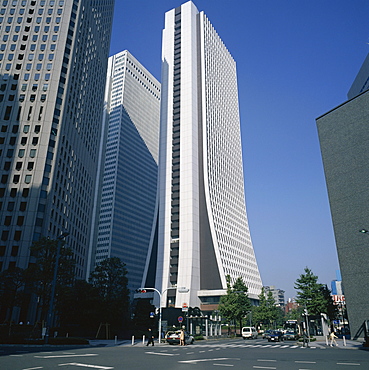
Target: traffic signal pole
point(143, 290)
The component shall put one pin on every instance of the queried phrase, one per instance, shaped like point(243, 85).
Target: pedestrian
point(305, 339)
point(182, 338)
point(150, 337)
point(332, 338)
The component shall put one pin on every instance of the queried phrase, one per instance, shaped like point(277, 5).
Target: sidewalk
point(347, 344)
point(112, 343)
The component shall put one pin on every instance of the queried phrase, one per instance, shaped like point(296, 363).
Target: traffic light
point(141, 290)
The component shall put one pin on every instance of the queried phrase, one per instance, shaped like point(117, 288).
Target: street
point(231, 353)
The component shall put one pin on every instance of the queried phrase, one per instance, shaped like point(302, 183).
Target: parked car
point(172, 337)
point(249, 332)
point(266, 334)
point(275, 336)
point(290, 335)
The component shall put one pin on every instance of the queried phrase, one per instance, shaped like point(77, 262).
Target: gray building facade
point(128, 194)
point(53, 60)
point(344, 141)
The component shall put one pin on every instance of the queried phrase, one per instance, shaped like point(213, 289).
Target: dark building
point(54, 56)
point(344, 140)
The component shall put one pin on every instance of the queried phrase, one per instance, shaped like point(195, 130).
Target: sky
point(296, 60)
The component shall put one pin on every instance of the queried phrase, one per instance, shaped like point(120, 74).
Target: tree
point(12, 283)
point(109, 277)
point(311, 294)
point(267, 312)
point(235, 305)
point(142, 320)
point(79, 309)
point(331, 309)
point(41, 273)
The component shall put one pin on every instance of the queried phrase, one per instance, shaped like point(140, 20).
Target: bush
point(199, 337)
point(312, 339)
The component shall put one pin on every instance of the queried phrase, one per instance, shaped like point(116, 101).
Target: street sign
point(184, 307)
point(180, 319)
point(152, 315)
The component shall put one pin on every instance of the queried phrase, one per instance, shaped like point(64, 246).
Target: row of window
point(31, 11)
point(32, 2)
point(31, 56)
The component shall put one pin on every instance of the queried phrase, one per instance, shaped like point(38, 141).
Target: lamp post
point(53, 286)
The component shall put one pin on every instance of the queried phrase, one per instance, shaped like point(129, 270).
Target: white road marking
point(264, 367)
point(305, 362)
point(162, 354)
point(61, 356)
point(348, 363)
point(33, 368)
point(87, 365)
point(226, 365)
point(207, 360)
point(267, 360)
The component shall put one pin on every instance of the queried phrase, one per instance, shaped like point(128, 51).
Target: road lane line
point(61, 356)
point(264, 367)
point(348, 363)
point(225, 365)
point(86, 365)
point(162, 354)
point(33, 368)
point(261, 360)
point(207, 360)
point(305, 362)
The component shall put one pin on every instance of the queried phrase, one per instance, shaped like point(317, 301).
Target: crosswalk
point(248, 345)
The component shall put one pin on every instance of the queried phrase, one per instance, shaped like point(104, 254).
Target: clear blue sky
point(296, 60)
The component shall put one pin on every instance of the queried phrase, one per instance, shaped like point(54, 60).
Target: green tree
point(40, 275)
point(266, 312)
point(12, 282)
point(109, 277)
point(235, 305)
point(79, 310)
point(142, 320)
point(310, 293)
point(331, 309)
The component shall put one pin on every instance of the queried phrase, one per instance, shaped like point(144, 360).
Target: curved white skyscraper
point(202, 229)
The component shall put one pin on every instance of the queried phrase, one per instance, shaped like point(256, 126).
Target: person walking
point(150, 337)
point(332, 338)
point(182, 338)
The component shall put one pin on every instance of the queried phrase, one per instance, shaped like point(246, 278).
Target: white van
point(249, 332)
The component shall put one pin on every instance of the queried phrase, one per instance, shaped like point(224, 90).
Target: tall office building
point(278, 295)
point(53, 60)
point(128, 196)
point(344, 141)
point(202, 234)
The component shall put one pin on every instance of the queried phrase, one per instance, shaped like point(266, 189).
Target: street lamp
point(53, 286)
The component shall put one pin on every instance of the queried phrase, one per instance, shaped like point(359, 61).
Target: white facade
point(203, 233)
point(128, 194)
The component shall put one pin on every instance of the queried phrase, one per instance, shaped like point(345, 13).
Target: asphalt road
point(236, 354)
